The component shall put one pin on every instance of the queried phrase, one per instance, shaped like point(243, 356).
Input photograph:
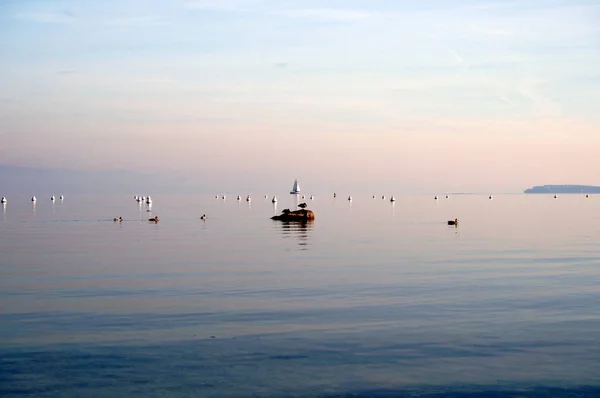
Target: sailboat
point(295, 188)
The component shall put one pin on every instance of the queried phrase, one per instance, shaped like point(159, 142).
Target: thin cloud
point(47, 17)
point(219, 5)
point(328, 14)
point(137, 21)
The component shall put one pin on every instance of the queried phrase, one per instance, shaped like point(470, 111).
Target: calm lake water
point(372, 299)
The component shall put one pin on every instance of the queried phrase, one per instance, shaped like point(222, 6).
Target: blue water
point(372, 299)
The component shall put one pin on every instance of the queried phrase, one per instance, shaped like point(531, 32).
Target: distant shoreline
point(554, 189)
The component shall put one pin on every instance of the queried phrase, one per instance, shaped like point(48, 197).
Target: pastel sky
point(418, 96)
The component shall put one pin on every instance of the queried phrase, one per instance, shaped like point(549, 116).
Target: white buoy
point(274, 199)
point(33, 199)
point(392, 199)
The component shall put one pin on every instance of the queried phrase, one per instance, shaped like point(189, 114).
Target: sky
point(407, 96)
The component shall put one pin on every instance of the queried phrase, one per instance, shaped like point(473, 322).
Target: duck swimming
point(203, 217)
point(453, 222)
point(119, 219)
point(155, 219)
point(302, 205)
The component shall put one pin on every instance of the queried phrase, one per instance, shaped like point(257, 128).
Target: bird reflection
point(299, 231)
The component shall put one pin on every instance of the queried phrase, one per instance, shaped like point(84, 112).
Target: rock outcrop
point(298, 215)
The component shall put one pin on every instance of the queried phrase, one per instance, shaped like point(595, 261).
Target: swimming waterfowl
point(350, 198)
point(312, 197)
point(248, 198)
point(239, 197)
point(436, 198)
point(33, 199)
point(3, 200)
point(453, 222)
point(119, 219)
point(490, 197)
point(52, 198)
point(392, 199)
point(383, 197)
point(274, 199)
point(587, 196)
point(555, 196)
point(155, 219)
point(203, 217)
point(62, 197)
point(334, 195)
point(302, 205)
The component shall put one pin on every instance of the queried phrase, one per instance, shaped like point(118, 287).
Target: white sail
point(296, 187)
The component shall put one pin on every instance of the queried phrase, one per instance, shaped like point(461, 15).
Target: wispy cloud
point(146, 20)
point(47, 17)
point(224, 5)
point(327, 14)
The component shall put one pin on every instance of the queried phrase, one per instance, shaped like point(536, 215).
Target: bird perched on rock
point(302, 205)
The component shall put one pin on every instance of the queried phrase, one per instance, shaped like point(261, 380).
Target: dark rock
point(298, 215)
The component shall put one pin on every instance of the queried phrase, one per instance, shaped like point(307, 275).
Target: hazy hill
point(563, 189)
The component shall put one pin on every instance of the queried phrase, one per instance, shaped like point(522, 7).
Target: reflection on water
point(296, 230)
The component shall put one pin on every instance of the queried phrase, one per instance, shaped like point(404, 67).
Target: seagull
point(302, 205)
